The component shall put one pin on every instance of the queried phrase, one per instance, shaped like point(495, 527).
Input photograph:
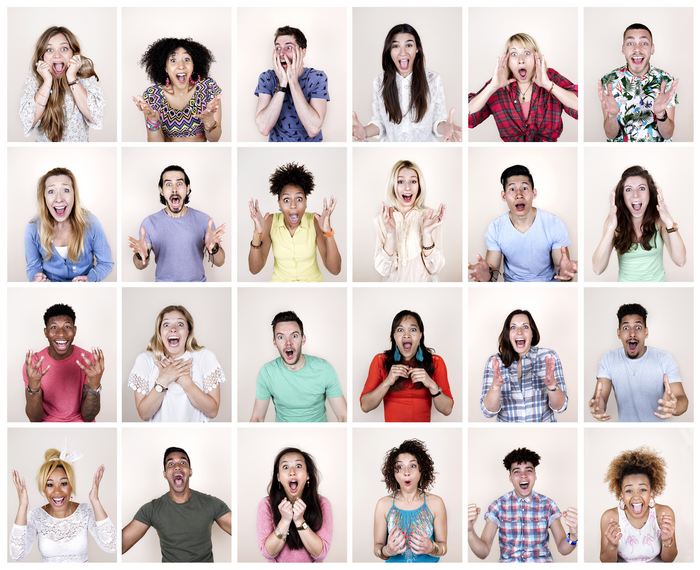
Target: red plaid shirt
point(542, 124)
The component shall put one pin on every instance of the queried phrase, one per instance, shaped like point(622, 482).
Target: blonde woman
point(64, 242)
point(62, 100)
point(176, 379)
point(61, 526)
point(408, 244)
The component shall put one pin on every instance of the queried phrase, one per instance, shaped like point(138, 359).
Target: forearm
point(557, 399)
point(492, 400)
point(681, 405)
point(564, 547)
point(308, 116)
point(90, 405)
point(213, 135)
point(676, 248)
point(332, 259)
point(267, 117)
point(203, 402)
point(666, 127)
point(150, 404)
point(257, 256)
point(608, 553)
point(274, 545)
point(477, 546)
point(669, 550)
point(155, 136)
point(371, 130)
point(219, 257)
point(565, 97)
point(81, 100)
point(479, 100)
point(41, 99)
point(312, 542)
point(34, 407)
point(372, 399)
point(443, 404)
point(610, 126)
point(602, 253)
point(389, 245)
point(21, 516)
point(98, 509)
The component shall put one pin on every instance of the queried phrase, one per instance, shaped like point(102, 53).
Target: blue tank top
point(408, 522)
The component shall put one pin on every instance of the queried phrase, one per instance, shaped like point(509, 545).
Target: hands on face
point(597, 405)
point(667, 403)
point(541, 78)
point(324, 218)
point(500, 72)
point(73, 68)
point(44, 71)
point(479, 271)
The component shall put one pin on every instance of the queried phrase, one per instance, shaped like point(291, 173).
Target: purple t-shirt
point(178, 244)
point(314, 85)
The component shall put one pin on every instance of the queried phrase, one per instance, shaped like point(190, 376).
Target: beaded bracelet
point(151, 126)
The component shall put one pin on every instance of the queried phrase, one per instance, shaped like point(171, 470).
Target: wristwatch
point(673, 228)
point(282, 89)
point(158, 388)
point(436, 393)
point(303, 526)
point(30, 391)
point(93, 390)
point(215, 249)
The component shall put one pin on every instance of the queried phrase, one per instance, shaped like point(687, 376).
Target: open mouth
point(520, 343)
point(522, 72)
point(173, 341)
point(407, 346)
point(181, 77)
point(407, 482)
point(60, 210)
point(58, 501)
point(520, 207)
point(636, 508)
point(524, 485)
point(61, 345)
point(632, 345)
point(404, 63)
point(58, 67)
point(407, 198)
point(294, 218)
point(293, 486)
point(637, 207)
point(637, 59)
point(179, 479)
point(289, 353)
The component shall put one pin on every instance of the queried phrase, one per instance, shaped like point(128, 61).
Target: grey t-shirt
point(638, 382)
point(184, 529)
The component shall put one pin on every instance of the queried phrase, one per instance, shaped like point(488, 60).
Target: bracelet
point(662, 120)
point(673, 228)
point(215, 249)
point(32, 392)
point(381, 553)
point(552, 87)
point(151, 126)
point(93, 390)
point(571, 542)
point(329, 234)
point(73, 83)
point(436, 393)
point(210, 129)
point(141, 259)
point(552, 389)
point(280, 535)
point(429, 247)
point(668, 544)
point(495, 274)
point(255, 246)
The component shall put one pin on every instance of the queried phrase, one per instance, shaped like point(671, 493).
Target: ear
point(618, 332)
point(503, 195)
point(653, 48)
point(534, 192)
point(303, 339)
point(75, 330)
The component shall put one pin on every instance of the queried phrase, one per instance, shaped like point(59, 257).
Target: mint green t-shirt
point(639, 264)
point(298, 396)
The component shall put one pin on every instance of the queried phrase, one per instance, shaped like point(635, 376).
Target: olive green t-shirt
point(184, 529)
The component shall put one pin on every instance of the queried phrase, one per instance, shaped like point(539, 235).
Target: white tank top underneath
point(639, 544)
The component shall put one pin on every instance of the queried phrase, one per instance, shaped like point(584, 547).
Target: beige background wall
point(209, 449)
point(322, 310)
point(96, 30)
point(442, 172)
point(211, 311)
point(672, 170)
point(369, 449)
point(674, 445)
point(326, 36)
point(670, 325)
point(95, 171)
point(672, 29)
point(555, 310)
point(209, 170)
point(556, 474)
point(96, 321)
point(256, 165)
point(373, 311)
point(257, 449)
point(142, 26)
point(556, 32)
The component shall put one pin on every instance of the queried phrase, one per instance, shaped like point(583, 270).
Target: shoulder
point(435, 502)
point(612, 75)
point(662, 510)
point(384, 504)
point(144, 360)
point(324, 502)
point(379, 359)
point(541, 352)
point(264, 506)
point(548, 217)
point(30, 83)
point(32, 228)
point(209, 85)
point(610, 515)
point(311, 73)
point(433, 76)
point(267, 75)
point(316, 361)
point(438, 360)
point(153, 92)
point(661, 74)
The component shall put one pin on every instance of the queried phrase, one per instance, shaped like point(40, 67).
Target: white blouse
point(76, 128)
point(408, 262)
point(408, 130)
point(207, 374)
point(62, 540)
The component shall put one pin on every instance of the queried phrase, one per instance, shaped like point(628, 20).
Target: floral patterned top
point(635, 97)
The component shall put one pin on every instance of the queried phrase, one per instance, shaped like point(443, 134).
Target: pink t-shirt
point(62, 386)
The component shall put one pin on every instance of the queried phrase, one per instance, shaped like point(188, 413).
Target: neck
point(641, 73)
point(181, 497)
point(172, 214)
point(523, 222)
point(409, 496)
point(56, 356)
point(298, 365)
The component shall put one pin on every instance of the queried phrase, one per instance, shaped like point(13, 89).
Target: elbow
point(143, 416)
point(263, 128)
point(364, 405)
point(313, 131)
point(212, 413)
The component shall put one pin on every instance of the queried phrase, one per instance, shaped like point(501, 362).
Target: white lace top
point(408, 263)
point(408, 130)
point(62, 540)
point(639, 544)
point(207, 373)
point(76, 128)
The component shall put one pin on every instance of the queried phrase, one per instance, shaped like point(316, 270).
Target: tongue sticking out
point(522, 73)
point(403, 64)
point(58, 67)
point(636, 508)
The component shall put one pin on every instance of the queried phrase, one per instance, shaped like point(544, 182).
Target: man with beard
point(297, 383)
point(62, 381)
point(182, 517)
point(178, 235)
point(647, 381)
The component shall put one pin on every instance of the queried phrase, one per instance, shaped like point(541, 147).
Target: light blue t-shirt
point(638, 382)
point(527, 256)
point(298, 395)
point(178, 244)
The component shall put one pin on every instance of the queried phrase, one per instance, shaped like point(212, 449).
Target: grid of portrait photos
point(416, 284)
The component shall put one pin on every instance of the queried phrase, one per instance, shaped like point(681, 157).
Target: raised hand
point(431, 220)
point(39, 277)
point(667, 403)
point(497, 375)
point(324, 218)
point(21, 487)
point(541, 78)
point(570, 517)
point(359, 133)
point(208, 114)
point(472, 513)
point(73, 68)
point(286, 510)
point(500, 72)
point(44, 70)
point(140, 247)
point(93, 367)
point(150, 114)
point(549, 380)
point(295, 67)
point(479, 271)
point(94, 494)
point(613, 533)
point(607, 101)
point(667, 526)
point(396, 372)
point(256, 216)
point(664, 214)
point(278, 69)
point(388, 218)
point(450, 131)
point(664, 98)
point(171, 370)
point(298, 510)
point(34, 370)
point(214, 235)
point(395, 542)
point(611, 220)
point(567, 267)
point(597, 405)
point(420, 543)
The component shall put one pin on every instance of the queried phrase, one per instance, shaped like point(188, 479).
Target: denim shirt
point(95, 261)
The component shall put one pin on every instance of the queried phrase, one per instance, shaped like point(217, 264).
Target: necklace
point(524, 95)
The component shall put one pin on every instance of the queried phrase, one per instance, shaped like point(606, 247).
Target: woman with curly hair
point(637, 227)
point(176, 379)
point(61, 98)
point(184, 103)
point(408, 101)
point(408, 377)
point(407, 247)
point(638, 529)
point(294, 523)
point(293, 233)
point(61, 526)
point(410, 524)
point(64, 242)
point(523, 382)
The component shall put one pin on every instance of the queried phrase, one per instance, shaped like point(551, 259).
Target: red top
point(406, 401)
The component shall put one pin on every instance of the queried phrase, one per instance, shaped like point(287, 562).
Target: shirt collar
point(651, 72)
point(401, 79)
point(532, 497)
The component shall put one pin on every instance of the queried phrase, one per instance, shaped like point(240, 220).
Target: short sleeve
point(492, 237)
point(140, 375)
point(375, 375)
point(209, 89)
point(27, 105)
point(604, 367)
point(262, 388)
point(213, 373)
point(218, 507)
point(317, 85)
point(554, 512)
point(558, 234)
point(440, 375)
point(333, 389)
point(670, 367)
point(266, 83)
point(493, 513)
point(145, 514)
point(95, 101)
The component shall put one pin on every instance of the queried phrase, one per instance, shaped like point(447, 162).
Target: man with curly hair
point(523, 518)
point(178, 235)
point(647, 380)
point(292, 99)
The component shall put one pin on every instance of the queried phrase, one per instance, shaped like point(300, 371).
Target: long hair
point(393, 177)
point(155, 345)
point(389, 361)
point(52, 121)
point(505, 348)
point(624, 234)
point(420, 92)
point(313, 515)
point(52, 461)
point(78, 217)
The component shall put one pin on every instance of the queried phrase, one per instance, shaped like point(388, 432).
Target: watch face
point(159, 388)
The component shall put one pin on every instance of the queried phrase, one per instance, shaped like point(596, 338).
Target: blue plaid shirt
point(525, 400)
point(523, 526)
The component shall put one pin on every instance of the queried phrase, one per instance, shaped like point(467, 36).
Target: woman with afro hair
point(638, 529)
point(293, 233)
point(184, 103)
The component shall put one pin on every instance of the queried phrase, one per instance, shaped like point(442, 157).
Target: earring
point(652, 503)
point(397, 355)
point(621, 504)
point(419, 354)
point(308, 481)
point(167, 81)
